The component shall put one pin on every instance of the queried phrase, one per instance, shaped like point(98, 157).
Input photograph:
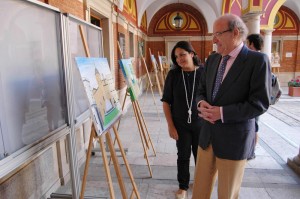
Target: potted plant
point(294, 87)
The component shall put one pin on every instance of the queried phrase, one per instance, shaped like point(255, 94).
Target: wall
point(287, 29)
point(41, 173)
point(74, 7)
point(49, 169)
point(38, 178)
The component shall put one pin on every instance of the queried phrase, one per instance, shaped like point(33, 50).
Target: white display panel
point(93, 37)
point(32, 94)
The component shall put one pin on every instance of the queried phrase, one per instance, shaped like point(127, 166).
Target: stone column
point(294, 163)
point(267, 42)
point(252, 21)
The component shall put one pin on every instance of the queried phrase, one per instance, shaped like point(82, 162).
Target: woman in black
point(181, 110)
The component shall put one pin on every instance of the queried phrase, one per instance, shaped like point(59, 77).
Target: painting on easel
point(165, 67)
point(154, 63)
point(163, 61)
point(100, 89)
point(131, 80)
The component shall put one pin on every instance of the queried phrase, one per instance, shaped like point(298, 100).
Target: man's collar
point(237, 50)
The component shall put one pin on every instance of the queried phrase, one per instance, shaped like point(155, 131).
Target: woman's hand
point(173, 132)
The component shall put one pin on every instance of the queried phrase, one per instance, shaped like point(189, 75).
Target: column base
point(294, 163)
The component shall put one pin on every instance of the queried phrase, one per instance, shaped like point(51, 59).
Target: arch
point(210, 9)
point(130, 10)
point(144, 23)
point(273, 13)
point(288, 22)
point(194, 24)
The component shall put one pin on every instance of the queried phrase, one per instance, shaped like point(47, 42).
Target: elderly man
point(233, 91)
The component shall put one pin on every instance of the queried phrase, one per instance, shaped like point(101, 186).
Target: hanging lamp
point(178, 20)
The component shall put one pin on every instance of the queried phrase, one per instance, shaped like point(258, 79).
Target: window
point(96, 21)
point(131, 44)
point(122, 44)
point(141, 46)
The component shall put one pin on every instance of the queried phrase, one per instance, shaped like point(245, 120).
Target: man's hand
point(208, 112)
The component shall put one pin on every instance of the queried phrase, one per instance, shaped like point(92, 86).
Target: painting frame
point(130, 77)
point(100, 90)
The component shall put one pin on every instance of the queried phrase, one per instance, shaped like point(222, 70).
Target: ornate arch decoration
point(286, 22)
point(129, 11)
point(143, 25)
point(232, 6)
point(161, 24)
point(270, 9)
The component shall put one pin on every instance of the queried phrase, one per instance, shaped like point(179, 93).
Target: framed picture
point(122, 43)
point(131, 80)
point(276, 46)
point(276, 53)
point(100, 90)
point(141, 47)
point(163, 62)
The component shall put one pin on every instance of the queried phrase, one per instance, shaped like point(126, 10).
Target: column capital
point(251, 16)
point(267, 31)
point(252, 21)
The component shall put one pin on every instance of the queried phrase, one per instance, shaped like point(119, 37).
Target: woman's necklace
point(186, 97)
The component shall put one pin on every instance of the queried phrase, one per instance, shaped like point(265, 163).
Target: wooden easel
point(161, 72)
point(143, 130)
point(155, 73)
point(93, 136)
point(149, 83)
point(126, 93)
point(106, 164)
point(162, 68)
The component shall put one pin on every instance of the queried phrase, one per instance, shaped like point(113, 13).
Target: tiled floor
point(267, 176)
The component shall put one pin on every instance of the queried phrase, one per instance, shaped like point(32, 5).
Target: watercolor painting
point(131, 80)
point(100, 89)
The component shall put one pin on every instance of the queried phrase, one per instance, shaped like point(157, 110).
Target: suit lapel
point(234, 72)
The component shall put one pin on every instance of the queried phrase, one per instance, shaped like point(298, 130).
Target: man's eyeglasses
point(218, 34)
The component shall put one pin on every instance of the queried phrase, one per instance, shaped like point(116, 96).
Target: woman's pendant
point(190, 116)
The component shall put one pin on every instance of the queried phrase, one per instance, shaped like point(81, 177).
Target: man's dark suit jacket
point(243, 94)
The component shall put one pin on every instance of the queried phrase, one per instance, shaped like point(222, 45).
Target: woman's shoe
point(181, 194)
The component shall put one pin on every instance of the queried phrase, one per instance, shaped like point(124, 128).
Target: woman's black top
point(174, 92)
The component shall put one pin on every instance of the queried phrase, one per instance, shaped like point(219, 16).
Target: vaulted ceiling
point(210, 9)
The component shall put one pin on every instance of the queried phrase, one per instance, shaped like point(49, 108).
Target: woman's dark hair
point(187, 47)
point(256, 40)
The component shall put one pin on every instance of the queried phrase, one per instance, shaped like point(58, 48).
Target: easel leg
point(142, 134)
point(161, 75)
point(122, 108)
point(116, 165)
point(154, 102)
point(131, 195)
point(158, 85)
point(105, 163)
point(149, 85)
point(138, 118)
point(119, 120)
point(126, 163)
point(106, 166)
point(87, 162)
point(149, 138)
point(146, 92)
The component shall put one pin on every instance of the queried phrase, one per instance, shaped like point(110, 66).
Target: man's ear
point(236, 32)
